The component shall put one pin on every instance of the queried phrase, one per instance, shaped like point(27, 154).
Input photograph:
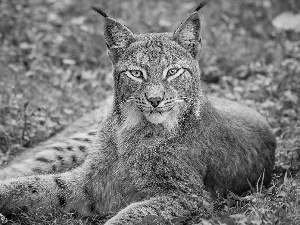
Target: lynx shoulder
point(165, 148)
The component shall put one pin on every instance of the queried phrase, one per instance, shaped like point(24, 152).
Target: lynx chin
point(161, 146)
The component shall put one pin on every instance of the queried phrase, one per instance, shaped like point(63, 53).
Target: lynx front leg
point(43, 194)
point(167, 207)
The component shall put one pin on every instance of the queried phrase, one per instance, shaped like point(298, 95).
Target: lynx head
point(156, 75)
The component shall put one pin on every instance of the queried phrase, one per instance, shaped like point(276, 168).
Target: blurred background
point(54, 65)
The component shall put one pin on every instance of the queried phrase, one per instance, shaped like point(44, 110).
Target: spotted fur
point(164, 148)
point(63, 152)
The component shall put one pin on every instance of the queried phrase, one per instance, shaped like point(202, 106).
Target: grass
point(54, 68)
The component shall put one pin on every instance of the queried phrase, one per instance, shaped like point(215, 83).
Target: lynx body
point(163, 147)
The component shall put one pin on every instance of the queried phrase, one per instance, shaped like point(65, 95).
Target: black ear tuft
point(100, 11)
point(201, 5)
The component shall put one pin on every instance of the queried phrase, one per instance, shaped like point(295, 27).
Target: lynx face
point(155, 74)
point(155, 81)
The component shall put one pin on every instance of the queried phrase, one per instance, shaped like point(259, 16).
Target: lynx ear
point(116, 34)
point(188, 33)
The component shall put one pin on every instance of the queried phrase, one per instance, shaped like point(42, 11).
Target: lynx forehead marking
point(153, 51)
point(155, 48)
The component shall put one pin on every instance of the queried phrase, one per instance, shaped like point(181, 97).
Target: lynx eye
point(173, 73)
point(136, 75)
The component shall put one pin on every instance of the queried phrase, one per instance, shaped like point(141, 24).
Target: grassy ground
point(54, 68)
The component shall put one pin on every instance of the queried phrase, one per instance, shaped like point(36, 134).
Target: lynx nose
point(154, 101)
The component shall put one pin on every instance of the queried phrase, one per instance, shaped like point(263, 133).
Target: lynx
point(162, 147)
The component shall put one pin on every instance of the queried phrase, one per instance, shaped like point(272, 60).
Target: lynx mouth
point(156, 116)
point(159, 111)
